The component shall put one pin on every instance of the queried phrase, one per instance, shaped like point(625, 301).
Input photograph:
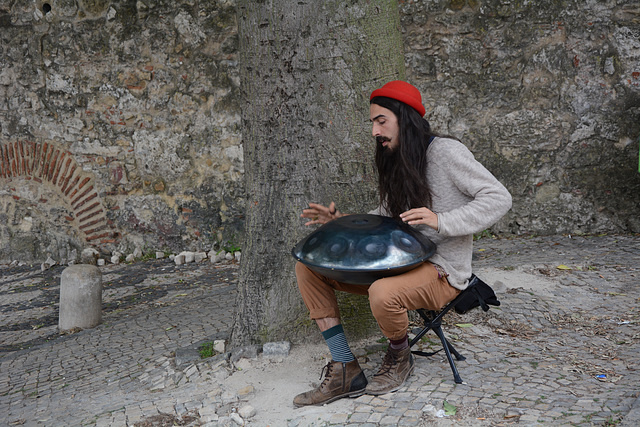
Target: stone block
point(276, 349)
point(340, 419)
point(191, 371)
point(249, 352)
point(236, 418)
point(218, 257)
point(159, 255)
point(50, 262)
point(179, 259)
point(200, 256)
point(89, 256)
point(184, 356)
point(188, 256)
point(247, 411)
point(80, 297)
point(115, 257)
point(219, 346)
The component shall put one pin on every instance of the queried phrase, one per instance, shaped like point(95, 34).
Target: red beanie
point(403, 92)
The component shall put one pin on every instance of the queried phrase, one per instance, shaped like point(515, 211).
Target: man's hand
point(319, 214)
point(420, 216)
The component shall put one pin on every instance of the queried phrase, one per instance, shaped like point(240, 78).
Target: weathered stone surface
point(115, 257)
point(247, 411)
point(546, 96)
point(219, 346)
point(89, 256)
point(248, 352)
point(276, 349)
point(539, 354)
point(120, 125)
point(141, 100)
point(80, 297)
point(188, 256)
point(217, 257)
point(185, 356)
point(50, 262)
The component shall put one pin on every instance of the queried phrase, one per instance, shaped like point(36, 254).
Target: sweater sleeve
point(482, 200)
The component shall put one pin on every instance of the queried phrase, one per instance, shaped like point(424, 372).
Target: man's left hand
point(419, 216)
point(319, 214)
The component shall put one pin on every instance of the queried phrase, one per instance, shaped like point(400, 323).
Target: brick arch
point(46, 163)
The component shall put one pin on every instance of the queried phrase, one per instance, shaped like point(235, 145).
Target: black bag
point(480, 295)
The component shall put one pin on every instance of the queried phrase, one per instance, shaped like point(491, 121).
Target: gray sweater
point(467, 199)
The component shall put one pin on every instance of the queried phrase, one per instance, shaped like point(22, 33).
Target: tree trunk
point(307, 69)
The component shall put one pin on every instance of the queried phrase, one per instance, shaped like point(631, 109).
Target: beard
point(390, 180)
point(381, 149)
point(386, 158)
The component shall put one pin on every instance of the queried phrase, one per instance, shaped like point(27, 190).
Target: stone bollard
point(80, 297)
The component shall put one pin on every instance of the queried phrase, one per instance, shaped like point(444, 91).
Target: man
point(430, 182)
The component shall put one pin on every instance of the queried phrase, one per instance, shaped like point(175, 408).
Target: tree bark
point(307, 69)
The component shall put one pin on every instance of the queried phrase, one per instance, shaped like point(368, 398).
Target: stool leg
point(454, 351)
point(420, 335)
point(445, 344)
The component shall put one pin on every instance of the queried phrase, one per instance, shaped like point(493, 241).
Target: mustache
point(380, 139)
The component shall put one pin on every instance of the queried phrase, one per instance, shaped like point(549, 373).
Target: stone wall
point(120, 124)
point(546, 94)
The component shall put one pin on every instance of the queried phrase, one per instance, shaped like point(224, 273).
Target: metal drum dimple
point(360, 249)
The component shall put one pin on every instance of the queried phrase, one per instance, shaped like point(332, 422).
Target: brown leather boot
point(396, 367)
point(341, 380)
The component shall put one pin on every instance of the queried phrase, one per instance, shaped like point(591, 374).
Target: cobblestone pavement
point(562, 349)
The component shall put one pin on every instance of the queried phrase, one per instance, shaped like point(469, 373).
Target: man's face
point(384, 127)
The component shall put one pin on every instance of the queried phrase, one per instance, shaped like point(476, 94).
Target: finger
point(312, 211)
point(420, 212)
point(416, 221)
point(318, 207)
point(315, 221)
point(411, 216)
point(414, 211)
point(332, 208)
point(406, 214)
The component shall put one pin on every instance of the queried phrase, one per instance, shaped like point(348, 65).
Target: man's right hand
point(319, 214)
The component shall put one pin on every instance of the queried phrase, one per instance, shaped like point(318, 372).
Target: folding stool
point(476, 294)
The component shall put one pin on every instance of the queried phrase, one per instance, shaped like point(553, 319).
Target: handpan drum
point(360, 249)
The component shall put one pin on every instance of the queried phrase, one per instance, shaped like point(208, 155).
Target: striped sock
point(338, 346)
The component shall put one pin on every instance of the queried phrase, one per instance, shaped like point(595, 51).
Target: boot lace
point(328, 367)
point(388, 363)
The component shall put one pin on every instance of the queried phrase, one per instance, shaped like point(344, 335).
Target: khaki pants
point(390, 297)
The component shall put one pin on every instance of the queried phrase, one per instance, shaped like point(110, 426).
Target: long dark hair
point(402, 174)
